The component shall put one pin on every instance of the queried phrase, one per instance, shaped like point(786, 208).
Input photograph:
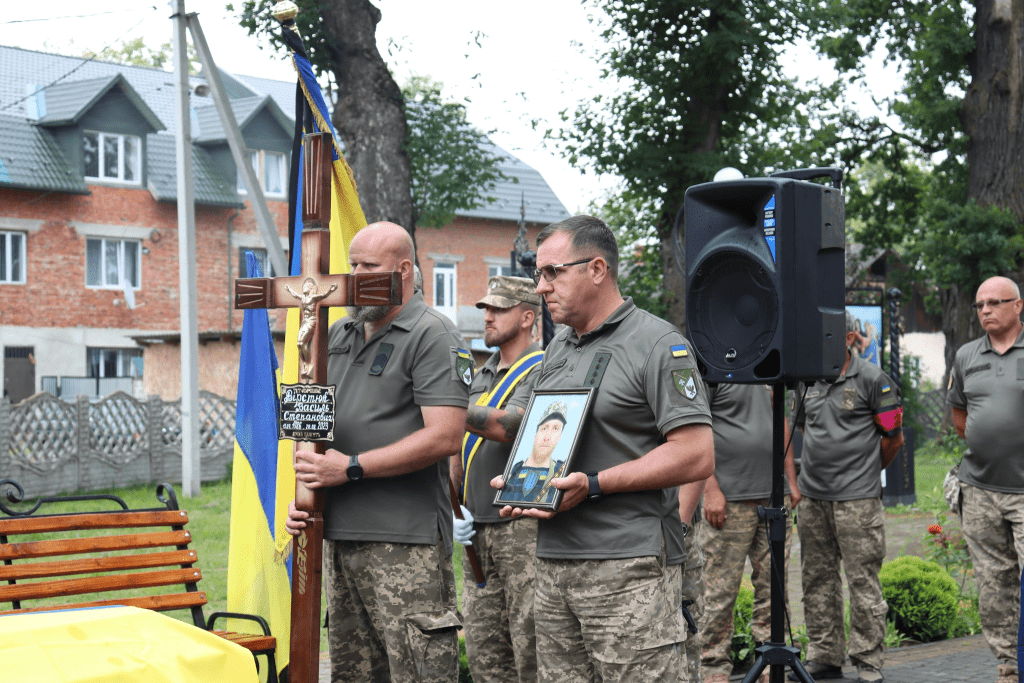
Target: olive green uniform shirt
point(741, 417)
point(842, 457)
point(647, 385)
point(990, 387)
point(418, 360)
point(491, 456)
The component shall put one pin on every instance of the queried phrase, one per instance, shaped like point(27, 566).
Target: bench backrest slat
point(97, 584)
point(12, 526)
point(76, 546)
point(89, 565)
point(158, 603)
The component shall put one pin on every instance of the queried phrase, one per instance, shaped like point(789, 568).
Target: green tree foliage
point(135, 52)
point(453, 164)
point(701, 87)
point(925, 180)
point(633, 220)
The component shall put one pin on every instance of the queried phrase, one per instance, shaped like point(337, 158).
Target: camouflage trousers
point(993, 525)
point(392, 612)
point(693, 590)
point(726, 551)
point(500, 641)
point(851, 532)
point(609, 620)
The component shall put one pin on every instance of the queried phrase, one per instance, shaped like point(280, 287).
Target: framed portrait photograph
point(545, 448)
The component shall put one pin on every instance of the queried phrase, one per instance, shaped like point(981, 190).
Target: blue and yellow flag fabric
point(258, 572)
point(248, 557)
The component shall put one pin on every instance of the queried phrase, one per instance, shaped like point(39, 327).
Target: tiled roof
point(65, 102)
point(211, 130)
point(33, 160)
point(542, 206)
point(211, 187)
point(24, 71)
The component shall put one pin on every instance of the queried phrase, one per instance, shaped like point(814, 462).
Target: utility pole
point(186, 263)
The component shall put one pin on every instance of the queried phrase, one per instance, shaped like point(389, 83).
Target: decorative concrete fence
point(52, 446)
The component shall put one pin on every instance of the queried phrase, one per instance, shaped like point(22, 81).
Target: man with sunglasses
point(609, 585)
point(986, 398)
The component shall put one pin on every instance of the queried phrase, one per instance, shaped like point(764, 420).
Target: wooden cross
point(314, 290)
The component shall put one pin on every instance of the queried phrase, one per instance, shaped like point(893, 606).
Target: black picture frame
point(526, 483)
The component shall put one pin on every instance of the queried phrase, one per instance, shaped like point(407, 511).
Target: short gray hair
point(852, 324)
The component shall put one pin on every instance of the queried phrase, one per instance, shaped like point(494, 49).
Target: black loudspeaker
point(765, 278)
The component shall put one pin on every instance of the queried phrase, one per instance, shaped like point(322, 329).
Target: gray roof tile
point(211, 187)
point(20, 69)
point(65, 102)
point(211, 130)
point(33, 160)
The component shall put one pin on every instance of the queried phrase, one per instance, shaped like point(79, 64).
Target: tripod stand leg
point(778, 656)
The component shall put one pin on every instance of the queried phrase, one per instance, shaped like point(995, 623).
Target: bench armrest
point(238, 615)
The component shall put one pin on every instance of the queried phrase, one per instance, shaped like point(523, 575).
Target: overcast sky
point(515, 62)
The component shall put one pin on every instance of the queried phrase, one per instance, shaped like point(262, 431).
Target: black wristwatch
point(594, 495)
point(355, 470)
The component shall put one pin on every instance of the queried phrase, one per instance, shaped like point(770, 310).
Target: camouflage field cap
point(504, 291)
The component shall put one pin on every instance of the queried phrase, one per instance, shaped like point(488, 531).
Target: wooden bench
point(75, 561)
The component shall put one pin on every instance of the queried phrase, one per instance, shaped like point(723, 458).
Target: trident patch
point(683, 382)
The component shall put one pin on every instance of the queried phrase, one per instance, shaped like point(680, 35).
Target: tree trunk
point(369, 113)
point(674, 284)
point(993, 108)
point(992, 114)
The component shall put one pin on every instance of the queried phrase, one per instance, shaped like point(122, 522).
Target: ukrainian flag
point(258, 559)
point(258, 573)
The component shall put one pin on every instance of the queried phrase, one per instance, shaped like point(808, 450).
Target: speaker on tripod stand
point(765, 304)
point(765, 278)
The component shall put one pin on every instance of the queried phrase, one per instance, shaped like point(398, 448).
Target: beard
point(496, 338)
point(367, 314)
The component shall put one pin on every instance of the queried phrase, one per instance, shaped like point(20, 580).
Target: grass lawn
point(209, 522)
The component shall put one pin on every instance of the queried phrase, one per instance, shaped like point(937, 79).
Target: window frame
point(101, 157)
point(120, 265)
point(123, 360)
point(6, 266)
point(258, 158)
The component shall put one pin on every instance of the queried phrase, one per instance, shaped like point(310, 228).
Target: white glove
point(462, 530)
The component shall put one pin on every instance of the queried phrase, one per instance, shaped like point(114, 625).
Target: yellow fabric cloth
point(116, 645)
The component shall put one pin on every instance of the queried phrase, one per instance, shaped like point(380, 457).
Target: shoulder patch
point(462, 362)
point(886, 388)
point(679, 351)
point(682, 381)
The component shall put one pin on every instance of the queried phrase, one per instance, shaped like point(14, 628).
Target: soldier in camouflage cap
point(500, 641)
point(986, 396)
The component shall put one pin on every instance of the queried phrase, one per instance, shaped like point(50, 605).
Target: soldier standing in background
point(731, 531)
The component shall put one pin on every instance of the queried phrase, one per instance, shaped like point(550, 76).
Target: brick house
point(88, 226)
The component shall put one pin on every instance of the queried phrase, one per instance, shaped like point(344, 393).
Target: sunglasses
point(991, 303)
point(550, 272)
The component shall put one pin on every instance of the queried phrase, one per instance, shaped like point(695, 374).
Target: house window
point(12, 257)
point(112, 264)
point(271, 172)
point(114, 362)
point(112, 157)
point(445, 298)
point(266, 266)
point(493, 270)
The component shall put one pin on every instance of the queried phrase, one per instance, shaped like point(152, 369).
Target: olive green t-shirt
point(418, 360)
point(990, 387)
point(647, 385)
point(741, 417)
point(842, 457)
point(490, 458)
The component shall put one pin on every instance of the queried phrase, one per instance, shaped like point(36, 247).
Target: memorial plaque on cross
point(307, 408)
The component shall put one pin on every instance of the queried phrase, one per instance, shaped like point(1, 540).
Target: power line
point(73, 16)
point(83, 62)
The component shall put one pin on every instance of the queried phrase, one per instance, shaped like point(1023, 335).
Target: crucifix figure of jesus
point(320, 290)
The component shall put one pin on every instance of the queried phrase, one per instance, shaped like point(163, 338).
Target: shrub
point(922, 597)
point(464, 675)
point(742, 651)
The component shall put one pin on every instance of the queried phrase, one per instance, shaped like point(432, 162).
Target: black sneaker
point(819, 671)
